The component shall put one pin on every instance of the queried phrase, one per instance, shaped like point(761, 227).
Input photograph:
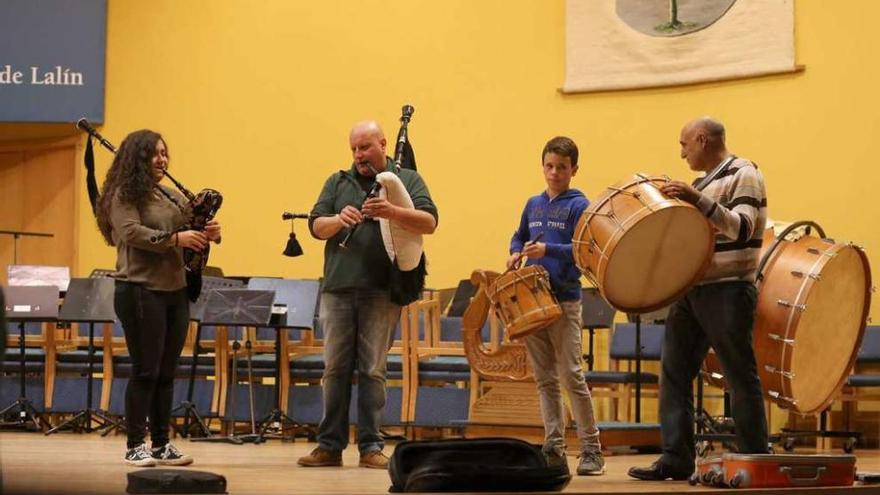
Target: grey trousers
point(555, 356)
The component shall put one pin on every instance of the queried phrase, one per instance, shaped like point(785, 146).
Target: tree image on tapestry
point(665, 18)
point(674, 25)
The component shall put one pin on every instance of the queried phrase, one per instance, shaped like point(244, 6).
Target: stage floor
point(86, 463)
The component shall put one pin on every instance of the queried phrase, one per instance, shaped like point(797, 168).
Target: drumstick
point(521, 256)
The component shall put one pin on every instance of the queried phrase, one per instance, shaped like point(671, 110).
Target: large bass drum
point(814, 295)
point(641, 248)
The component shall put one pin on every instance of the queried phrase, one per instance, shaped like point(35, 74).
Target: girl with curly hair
point(140, 217)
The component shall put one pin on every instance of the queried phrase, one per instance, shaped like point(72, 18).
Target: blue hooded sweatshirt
point(556, 218)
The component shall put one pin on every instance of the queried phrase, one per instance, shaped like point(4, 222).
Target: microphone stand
point(16, 235)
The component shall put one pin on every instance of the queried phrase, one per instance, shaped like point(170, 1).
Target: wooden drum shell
point(524, 301)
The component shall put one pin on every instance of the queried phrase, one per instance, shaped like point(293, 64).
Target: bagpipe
point(198, 210)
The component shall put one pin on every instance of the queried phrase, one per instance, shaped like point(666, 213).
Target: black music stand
point(102, 273)
point(462, 298)
point(24, 304)
point(637, 319)
point(191, 417)
point(295, 302)
point(88, 300)
point(595, 313)
point(238, 307)
point(638, 354)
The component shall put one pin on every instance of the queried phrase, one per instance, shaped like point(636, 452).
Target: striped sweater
point(736, 204)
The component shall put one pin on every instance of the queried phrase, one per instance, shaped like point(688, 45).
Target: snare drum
point(642, 249)
point(523, 301)
point(813, 301)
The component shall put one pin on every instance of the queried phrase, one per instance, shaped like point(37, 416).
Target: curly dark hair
point(130, 176)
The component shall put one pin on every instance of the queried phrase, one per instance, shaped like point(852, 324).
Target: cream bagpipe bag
point(404, 248)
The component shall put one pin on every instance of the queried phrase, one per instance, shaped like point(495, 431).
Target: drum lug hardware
point(781, 339)
point(799, 307)
point(591, 278)
point(814, 276)
point(771, 369)
point(776, 395)
point(813, 250)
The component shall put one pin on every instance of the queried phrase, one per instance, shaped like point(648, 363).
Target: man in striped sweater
point(719, 310)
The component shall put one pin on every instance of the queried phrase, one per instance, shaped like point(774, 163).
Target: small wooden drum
point(813, 302)
point(642, 249)
point(523, 301)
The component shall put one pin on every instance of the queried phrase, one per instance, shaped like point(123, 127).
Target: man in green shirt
point(357, 314)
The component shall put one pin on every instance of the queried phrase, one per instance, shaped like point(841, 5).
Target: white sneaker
point(169, 455)
point(139, 456)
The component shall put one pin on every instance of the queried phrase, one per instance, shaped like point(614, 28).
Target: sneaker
point(321, 457)
point(592, 463)
point(555, 457)
point(169, 455)
point(374, 459)
point(139, 456)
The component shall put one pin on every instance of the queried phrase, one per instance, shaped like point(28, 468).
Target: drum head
point(658, 259)
point(830, 329)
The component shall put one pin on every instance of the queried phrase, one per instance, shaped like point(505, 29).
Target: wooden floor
point(86, 463)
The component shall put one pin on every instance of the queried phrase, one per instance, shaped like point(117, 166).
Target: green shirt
point(364, 264)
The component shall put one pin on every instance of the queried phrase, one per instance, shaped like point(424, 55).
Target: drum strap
point(702, 183)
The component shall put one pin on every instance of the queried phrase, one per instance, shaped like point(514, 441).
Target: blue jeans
point(358, 328)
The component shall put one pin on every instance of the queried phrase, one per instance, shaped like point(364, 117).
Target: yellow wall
point(256, 98)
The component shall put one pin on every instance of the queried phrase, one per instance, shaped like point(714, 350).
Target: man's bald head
point(703, 143)
point(367, 141)
point(709, 127)
point(367, 127)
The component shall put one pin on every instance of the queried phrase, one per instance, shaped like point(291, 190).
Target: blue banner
point(52, 60)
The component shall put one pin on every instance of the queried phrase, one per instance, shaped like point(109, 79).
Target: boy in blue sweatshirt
point(555, 353)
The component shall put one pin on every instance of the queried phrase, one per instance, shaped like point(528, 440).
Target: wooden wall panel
point(37, 194)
